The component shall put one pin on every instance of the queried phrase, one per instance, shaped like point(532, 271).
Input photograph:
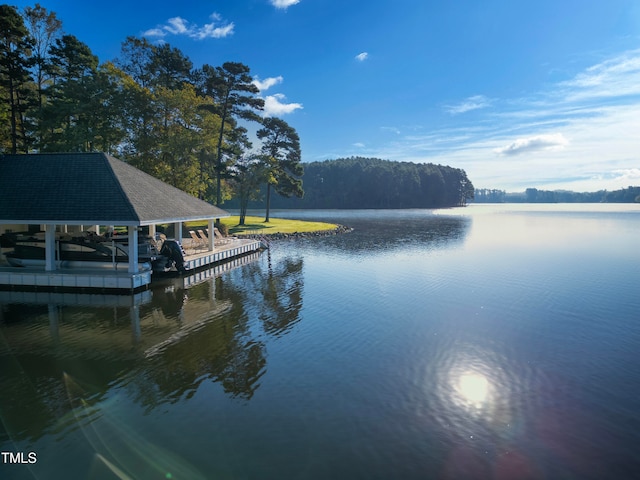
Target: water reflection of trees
point(280, 288)
point(225, 349)
point(211, 332)
point(386, 232)
point(282, 294)
point(218, 348)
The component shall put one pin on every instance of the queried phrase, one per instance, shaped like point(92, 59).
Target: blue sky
point(519, 93)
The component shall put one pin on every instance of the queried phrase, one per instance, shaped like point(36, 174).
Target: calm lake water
point(487, 342)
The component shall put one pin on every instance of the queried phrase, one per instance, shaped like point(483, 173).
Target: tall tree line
point(359, 182)
point(150, 107)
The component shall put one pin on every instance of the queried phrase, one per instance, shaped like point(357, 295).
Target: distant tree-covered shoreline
point(359, 182)
point(534, 195)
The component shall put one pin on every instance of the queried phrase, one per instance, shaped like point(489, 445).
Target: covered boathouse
point(73, 192)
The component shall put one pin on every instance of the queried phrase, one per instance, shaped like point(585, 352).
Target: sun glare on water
point(473, 388)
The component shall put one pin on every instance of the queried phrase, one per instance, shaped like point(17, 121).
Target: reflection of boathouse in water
point(56, 197)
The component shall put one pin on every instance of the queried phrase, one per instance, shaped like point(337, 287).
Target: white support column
point(49, 247)
point(133, 249)
point(152, 231)
point(212, 235)
point(177, 229)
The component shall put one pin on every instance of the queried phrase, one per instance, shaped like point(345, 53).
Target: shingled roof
point(90, 188)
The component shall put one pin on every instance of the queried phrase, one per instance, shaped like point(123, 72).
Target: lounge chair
point(219, 238)
point(197, 242)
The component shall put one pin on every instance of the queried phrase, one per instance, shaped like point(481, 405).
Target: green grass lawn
point(256, 225)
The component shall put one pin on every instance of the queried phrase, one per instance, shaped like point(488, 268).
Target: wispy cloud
point(218, 28)
point(614, 77)
point(267, 82)
point(361, 57)
point(154, 32)
point(275, 105)
point(284, 4)
point(472, 103)
point(535, 143)
point(631, 174)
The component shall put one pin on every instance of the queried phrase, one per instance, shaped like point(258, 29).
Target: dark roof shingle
point(90, 188)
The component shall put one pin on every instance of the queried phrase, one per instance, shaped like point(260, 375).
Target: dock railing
point(256, 234)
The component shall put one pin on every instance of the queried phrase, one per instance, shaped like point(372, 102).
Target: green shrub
point(222, 228)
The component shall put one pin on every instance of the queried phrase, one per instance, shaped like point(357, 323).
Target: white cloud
point(472, 103)
point(284, 4)
point(631, 175)
point(359, 145)
point(211, 31)
point(274, 105)
point(179, 26)
point(267, 82)
point(154, 32)
point(535, 143)
point(361, 57)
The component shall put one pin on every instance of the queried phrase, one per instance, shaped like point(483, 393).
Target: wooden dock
point(234, 248)
point(116, 281)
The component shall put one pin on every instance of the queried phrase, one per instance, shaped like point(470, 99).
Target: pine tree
point(233, 92)
point(281, 148)
point(15, 79)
